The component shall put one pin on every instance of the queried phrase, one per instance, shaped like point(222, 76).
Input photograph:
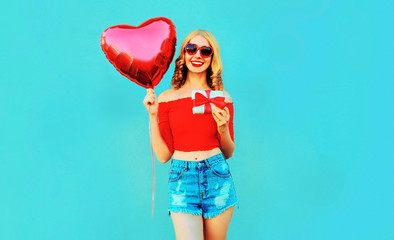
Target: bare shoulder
point(167, 95)
point(227, 97)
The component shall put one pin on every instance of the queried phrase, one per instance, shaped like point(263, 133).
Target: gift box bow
point(202, 103)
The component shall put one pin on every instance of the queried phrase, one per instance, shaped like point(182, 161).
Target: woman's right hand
point(151, 102)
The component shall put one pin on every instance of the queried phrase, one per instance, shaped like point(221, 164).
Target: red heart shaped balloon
point(143, 53)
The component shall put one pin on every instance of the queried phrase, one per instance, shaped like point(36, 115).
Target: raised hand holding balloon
point(143, 53)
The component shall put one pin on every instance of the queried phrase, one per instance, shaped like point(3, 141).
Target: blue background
point(311, 81)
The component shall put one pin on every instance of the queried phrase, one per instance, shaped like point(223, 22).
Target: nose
point(198, 53)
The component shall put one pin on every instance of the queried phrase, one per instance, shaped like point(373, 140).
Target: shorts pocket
point(221, 169)
point(175, 174)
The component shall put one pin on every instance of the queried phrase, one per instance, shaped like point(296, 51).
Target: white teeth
point(197, 63)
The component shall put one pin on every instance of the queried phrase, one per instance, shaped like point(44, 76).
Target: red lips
point(197, 65)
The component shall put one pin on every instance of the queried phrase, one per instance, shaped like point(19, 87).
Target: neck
point(197, 81)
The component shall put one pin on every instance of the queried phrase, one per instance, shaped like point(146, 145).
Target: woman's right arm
point(160, 147)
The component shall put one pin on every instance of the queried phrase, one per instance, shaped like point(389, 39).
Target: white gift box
point(209, 94)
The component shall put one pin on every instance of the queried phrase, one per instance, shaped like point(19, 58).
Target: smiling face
point(197, 63)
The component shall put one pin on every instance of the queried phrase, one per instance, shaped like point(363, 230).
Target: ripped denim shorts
point(202, 188)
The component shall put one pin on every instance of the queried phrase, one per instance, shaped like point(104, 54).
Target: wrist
point(223, 130)
point(153, 116)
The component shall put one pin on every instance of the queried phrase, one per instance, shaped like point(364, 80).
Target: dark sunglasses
point(192, 49)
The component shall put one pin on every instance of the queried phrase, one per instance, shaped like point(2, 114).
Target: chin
point(198, 70)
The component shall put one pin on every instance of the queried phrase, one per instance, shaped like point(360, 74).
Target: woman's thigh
point(187, 226)
point(216, 228)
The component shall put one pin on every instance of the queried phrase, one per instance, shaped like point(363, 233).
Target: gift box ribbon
point(200, 99)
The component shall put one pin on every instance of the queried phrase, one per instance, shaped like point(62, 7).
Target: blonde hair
point(214, 71)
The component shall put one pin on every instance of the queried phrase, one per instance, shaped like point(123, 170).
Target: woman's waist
point(195, 155)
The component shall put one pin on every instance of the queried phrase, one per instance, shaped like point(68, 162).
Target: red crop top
point(184, 131)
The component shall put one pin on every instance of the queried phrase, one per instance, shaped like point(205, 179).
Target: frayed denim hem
point(195, 213)
point(214, 214)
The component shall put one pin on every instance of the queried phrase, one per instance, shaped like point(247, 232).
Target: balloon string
point(153, 161)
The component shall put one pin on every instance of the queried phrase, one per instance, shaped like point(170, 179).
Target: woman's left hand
point(222, 118)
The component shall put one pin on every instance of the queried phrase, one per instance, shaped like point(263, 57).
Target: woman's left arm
point(222, 118)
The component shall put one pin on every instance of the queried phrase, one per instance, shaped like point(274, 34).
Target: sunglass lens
point(191, 48)
point(206, 51)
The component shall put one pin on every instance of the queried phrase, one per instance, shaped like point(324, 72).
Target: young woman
point(201, 191)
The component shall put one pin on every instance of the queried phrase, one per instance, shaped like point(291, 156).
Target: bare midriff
point(195, 155)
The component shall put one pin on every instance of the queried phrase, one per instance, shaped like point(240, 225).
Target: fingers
point(221, 116)
point(148, 90)
point(148, 100)
point(150, 97)
point(218, 118)
point(151, 102)
point(225, 112)
point(150, 94)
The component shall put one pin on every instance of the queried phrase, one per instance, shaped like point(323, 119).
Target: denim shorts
point(202, 188)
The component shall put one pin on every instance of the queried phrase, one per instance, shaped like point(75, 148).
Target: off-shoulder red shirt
point(184, 131)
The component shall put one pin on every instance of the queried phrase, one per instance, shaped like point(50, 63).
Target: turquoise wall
point(311, 82)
